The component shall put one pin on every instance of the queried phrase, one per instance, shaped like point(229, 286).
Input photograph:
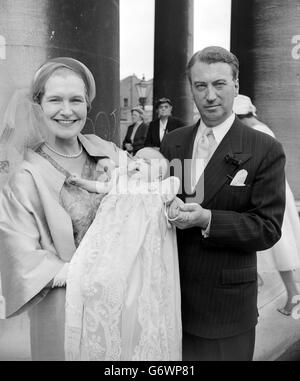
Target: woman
point(136, 133)
point(42, 217)
point(284, 256)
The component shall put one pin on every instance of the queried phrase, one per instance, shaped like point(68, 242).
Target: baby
point(126, 266)
point(148, 166)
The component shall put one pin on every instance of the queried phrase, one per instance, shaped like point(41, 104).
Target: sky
point(211, 27)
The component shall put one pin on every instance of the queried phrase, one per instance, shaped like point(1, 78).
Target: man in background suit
point(165, 123)
point(240, 212)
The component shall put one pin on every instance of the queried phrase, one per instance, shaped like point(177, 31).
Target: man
point(165, 123)
point(136, 132)
point(241, 212)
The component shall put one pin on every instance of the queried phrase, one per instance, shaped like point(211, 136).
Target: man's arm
point(148, 141)
point(258, 228)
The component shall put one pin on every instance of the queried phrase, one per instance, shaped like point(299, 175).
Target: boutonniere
point(230, 159)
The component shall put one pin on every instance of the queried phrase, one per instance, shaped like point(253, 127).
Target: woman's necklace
point(63, 154)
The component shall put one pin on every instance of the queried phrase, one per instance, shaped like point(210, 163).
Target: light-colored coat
point(36, 238)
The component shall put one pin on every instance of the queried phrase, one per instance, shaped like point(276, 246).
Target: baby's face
point(149, 169)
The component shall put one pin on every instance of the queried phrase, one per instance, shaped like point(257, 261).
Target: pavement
point(277, 336)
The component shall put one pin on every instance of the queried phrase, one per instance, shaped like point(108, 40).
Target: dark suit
point(153, 138)
point(219, 274)
point(139, 137)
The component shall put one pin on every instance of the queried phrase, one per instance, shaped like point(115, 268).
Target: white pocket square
point(239, 178)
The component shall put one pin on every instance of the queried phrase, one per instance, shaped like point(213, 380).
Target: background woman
point(43, 217)
point(284, 256)
point(136, 133)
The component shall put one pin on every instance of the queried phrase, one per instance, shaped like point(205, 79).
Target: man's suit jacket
point(153, 138)
point(139, 137)
point(219, 273)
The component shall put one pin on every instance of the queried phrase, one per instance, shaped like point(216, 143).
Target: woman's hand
point(60, 279)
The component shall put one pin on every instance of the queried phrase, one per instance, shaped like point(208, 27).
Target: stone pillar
point(173, 47)
point(85, 30)
point(265, 36)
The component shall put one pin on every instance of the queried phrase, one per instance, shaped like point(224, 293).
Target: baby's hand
point(104, 169)
point(174, 208)
point(74, 179)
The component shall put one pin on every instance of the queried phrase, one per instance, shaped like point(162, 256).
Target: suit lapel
point(219, 169)
point(156, 137)
point(184, 152)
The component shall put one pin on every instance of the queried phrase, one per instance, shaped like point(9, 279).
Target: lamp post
point(141, 88)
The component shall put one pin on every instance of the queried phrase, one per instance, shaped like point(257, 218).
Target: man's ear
point(237, 87)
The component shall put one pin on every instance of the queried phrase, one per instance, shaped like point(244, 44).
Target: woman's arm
point(28, 259)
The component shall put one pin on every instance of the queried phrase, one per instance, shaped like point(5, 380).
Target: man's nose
point(211, 94)
point(66, 109)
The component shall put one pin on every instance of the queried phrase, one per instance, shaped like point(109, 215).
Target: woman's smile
point(64, 105)
point(66, 122)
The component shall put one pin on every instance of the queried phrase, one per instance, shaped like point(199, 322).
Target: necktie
point(163, 133)
point(204, 149)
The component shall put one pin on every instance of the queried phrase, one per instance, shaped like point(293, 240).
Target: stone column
point(265, 36)
point(173, 47)
point(85, 30)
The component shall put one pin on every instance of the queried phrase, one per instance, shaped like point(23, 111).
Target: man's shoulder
point(252, 132)
point(154, 122)
point(176, 121)
point(258, 138)
point(180, 133)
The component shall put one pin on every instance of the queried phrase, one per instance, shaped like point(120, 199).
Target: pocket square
point(239, 178)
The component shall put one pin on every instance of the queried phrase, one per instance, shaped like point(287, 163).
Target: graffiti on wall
point(104, 125)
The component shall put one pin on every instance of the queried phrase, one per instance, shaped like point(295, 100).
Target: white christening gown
point(123, 291)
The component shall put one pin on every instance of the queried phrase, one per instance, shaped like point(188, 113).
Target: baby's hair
point(152, 154)
point(149, 153)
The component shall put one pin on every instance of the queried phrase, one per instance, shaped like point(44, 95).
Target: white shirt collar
point(219, 131)
point(163, 123)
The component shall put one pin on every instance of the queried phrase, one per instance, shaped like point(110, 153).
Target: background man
point(165, 123)
point(241, 212)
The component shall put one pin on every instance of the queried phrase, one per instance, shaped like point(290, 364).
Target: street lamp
point(141, 88)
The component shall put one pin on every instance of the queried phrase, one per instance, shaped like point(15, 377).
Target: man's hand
point(192, 215)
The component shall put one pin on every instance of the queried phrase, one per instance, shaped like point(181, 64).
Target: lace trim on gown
point(123, 294)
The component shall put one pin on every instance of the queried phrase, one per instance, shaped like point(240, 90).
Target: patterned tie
point(205, 147)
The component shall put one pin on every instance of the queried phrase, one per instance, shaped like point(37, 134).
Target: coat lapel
point(49, 182)
point(183, 150)
point(220, 169)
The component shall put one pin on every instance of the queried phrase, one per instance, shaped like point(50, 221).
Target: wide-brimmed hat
point(242, 105)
